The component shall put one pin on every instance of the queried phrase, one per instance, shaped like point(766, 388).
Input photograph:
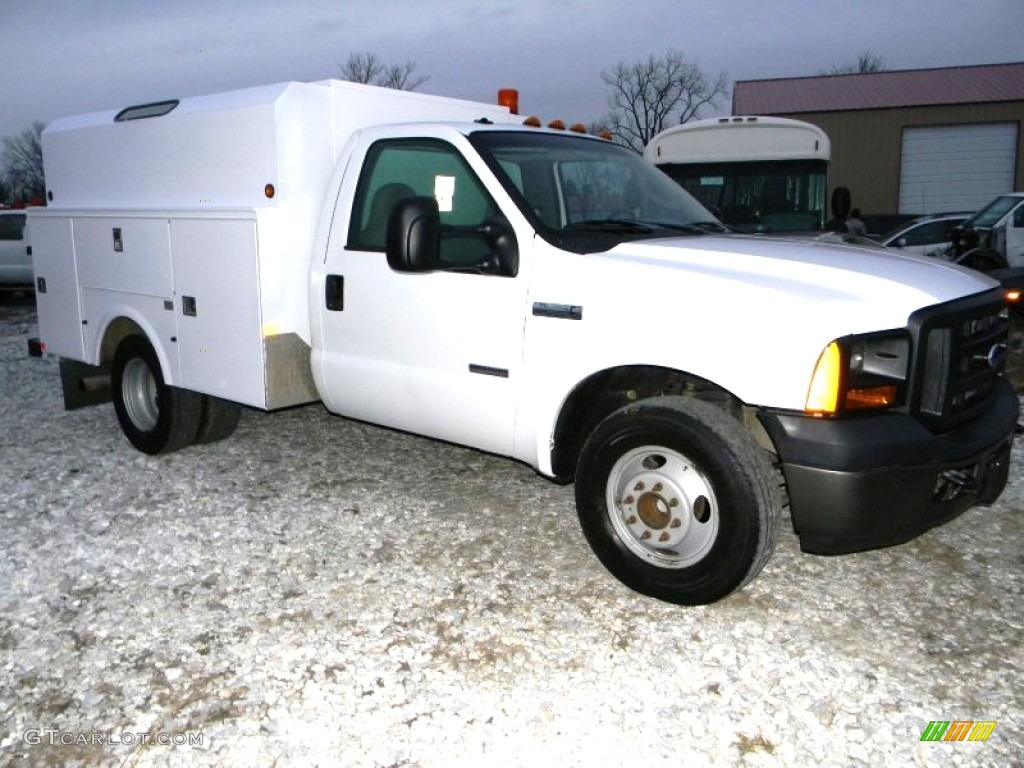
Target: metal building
point(909, 141)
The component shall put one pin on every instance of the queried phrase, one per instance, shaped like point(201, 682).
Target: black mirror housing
point(413, 239)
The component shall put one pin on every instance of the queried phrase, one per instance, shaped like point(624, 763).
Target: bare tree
point(867, 62)
point(656, 92)
point(367, 68)
point(23, 164)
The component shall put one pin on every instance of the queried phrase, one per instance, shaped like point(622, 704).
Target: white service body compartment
point(192, 282)
point(57, 300)
point(217, 281)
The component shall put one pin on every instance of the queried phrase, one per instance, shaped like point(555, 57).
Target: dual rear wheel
point(156, 417)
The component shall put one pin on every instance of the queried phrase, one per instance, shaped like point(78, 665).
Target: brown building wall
point(866, 145)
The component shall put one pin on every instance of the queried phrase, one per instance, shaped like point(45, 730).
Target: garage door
point(956, 167)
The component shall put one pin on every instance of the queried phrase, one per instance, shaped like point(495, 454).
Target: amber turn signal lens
point(823, 394)
point(871, 397)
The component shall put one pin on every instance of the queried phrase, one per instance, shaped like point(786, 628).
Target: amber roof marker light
point(509, 97)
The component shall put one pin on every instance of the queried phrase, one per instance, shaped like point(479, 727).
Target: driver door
point(436, 353)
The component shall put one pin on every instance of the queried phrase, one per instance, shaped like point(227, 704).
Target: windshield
point(587, 195)
point(759, 196)
point(993, 212)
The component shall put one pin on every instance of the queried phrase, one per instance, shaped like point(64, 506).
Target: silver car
point(15, 251)
point(928, 235)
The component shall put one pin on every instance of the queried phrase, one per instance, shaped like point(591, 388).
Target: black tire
point(218, 421)
point(156, 418)
point(677, 500)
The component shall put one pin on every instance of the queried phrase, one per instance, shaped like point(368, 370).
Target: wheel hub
point(662, 507)
point(653, 511)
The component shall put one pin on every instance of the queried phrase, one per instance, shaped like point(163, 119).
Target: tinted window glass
point(926, 234)
point(395, 170)
point(12, 226)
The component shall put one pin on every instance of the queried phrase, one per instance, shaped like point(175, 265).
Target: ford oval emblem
point(996, 356)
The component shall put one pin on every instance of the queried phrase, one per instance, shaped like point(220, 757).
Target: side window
point(12, 226)
point(926, 234)
point(397, 169)
point(1018, 216)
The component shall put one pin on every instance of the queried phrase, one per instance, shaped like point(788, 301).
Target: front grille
point(961, 355)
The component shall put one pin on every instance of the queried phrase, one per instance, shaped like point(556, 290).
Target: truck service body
point(433, 265)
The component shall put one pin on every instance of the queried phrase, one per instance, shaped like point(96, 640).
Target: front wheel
point(677, 501)
point(155, 417)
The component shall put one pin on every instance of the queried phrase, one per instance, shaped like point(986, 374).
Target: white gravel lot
point(315, 591)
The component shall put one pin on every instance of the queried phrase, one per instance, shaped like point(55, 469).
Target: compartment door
point(57, 299)
point(216, 279)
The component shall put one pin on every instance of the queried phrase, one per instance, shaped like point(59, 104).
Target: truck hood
point(865, 288)
point(749, 313)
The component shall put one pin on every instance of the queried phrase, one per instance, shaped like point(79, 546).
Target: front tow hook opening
point(954, 483)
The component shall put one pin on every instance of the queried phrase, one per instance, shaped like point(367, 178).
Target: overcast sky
point(67, 57)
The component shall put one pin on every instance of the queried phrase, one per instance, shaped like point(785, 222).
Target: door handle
point(334, 293)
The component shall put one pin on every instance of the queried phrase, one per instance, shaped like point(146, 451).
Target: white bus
point(758, 174)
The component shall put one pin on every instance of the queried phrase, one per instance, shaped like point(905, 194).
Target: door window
point(398, 169)
point(925, 234)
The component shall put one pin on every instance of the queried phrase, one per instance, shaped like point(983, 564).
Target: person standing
point(854, 225)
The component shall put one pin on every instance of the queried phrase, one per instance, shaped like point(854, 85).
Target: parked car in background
point(878, 224)
point(15, 251)
point(928, 235)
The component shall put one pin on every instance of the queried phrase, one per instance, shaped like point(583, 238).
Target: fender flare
point(127, 313)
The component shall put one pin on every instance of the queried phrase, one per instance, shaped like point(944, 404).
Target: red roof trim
point(880, 90)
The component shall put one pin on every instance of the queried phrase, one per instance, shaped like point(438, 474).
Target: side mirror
point(900, 242)
point(413, 240)
point(840, 202)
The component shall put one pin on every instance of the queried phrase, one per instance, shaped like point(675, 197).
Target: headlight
point(858, 373)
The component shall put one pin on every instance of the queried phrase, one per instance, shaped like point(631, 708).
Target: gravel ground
point(315, 591)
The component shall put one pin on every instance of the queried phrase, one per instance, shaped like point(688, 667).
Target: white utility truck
point(436, 266)
point(993, 238)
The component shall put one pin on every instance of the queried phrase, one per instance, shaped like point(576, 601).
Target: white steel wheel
point(138, 389)
point(662, 507)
